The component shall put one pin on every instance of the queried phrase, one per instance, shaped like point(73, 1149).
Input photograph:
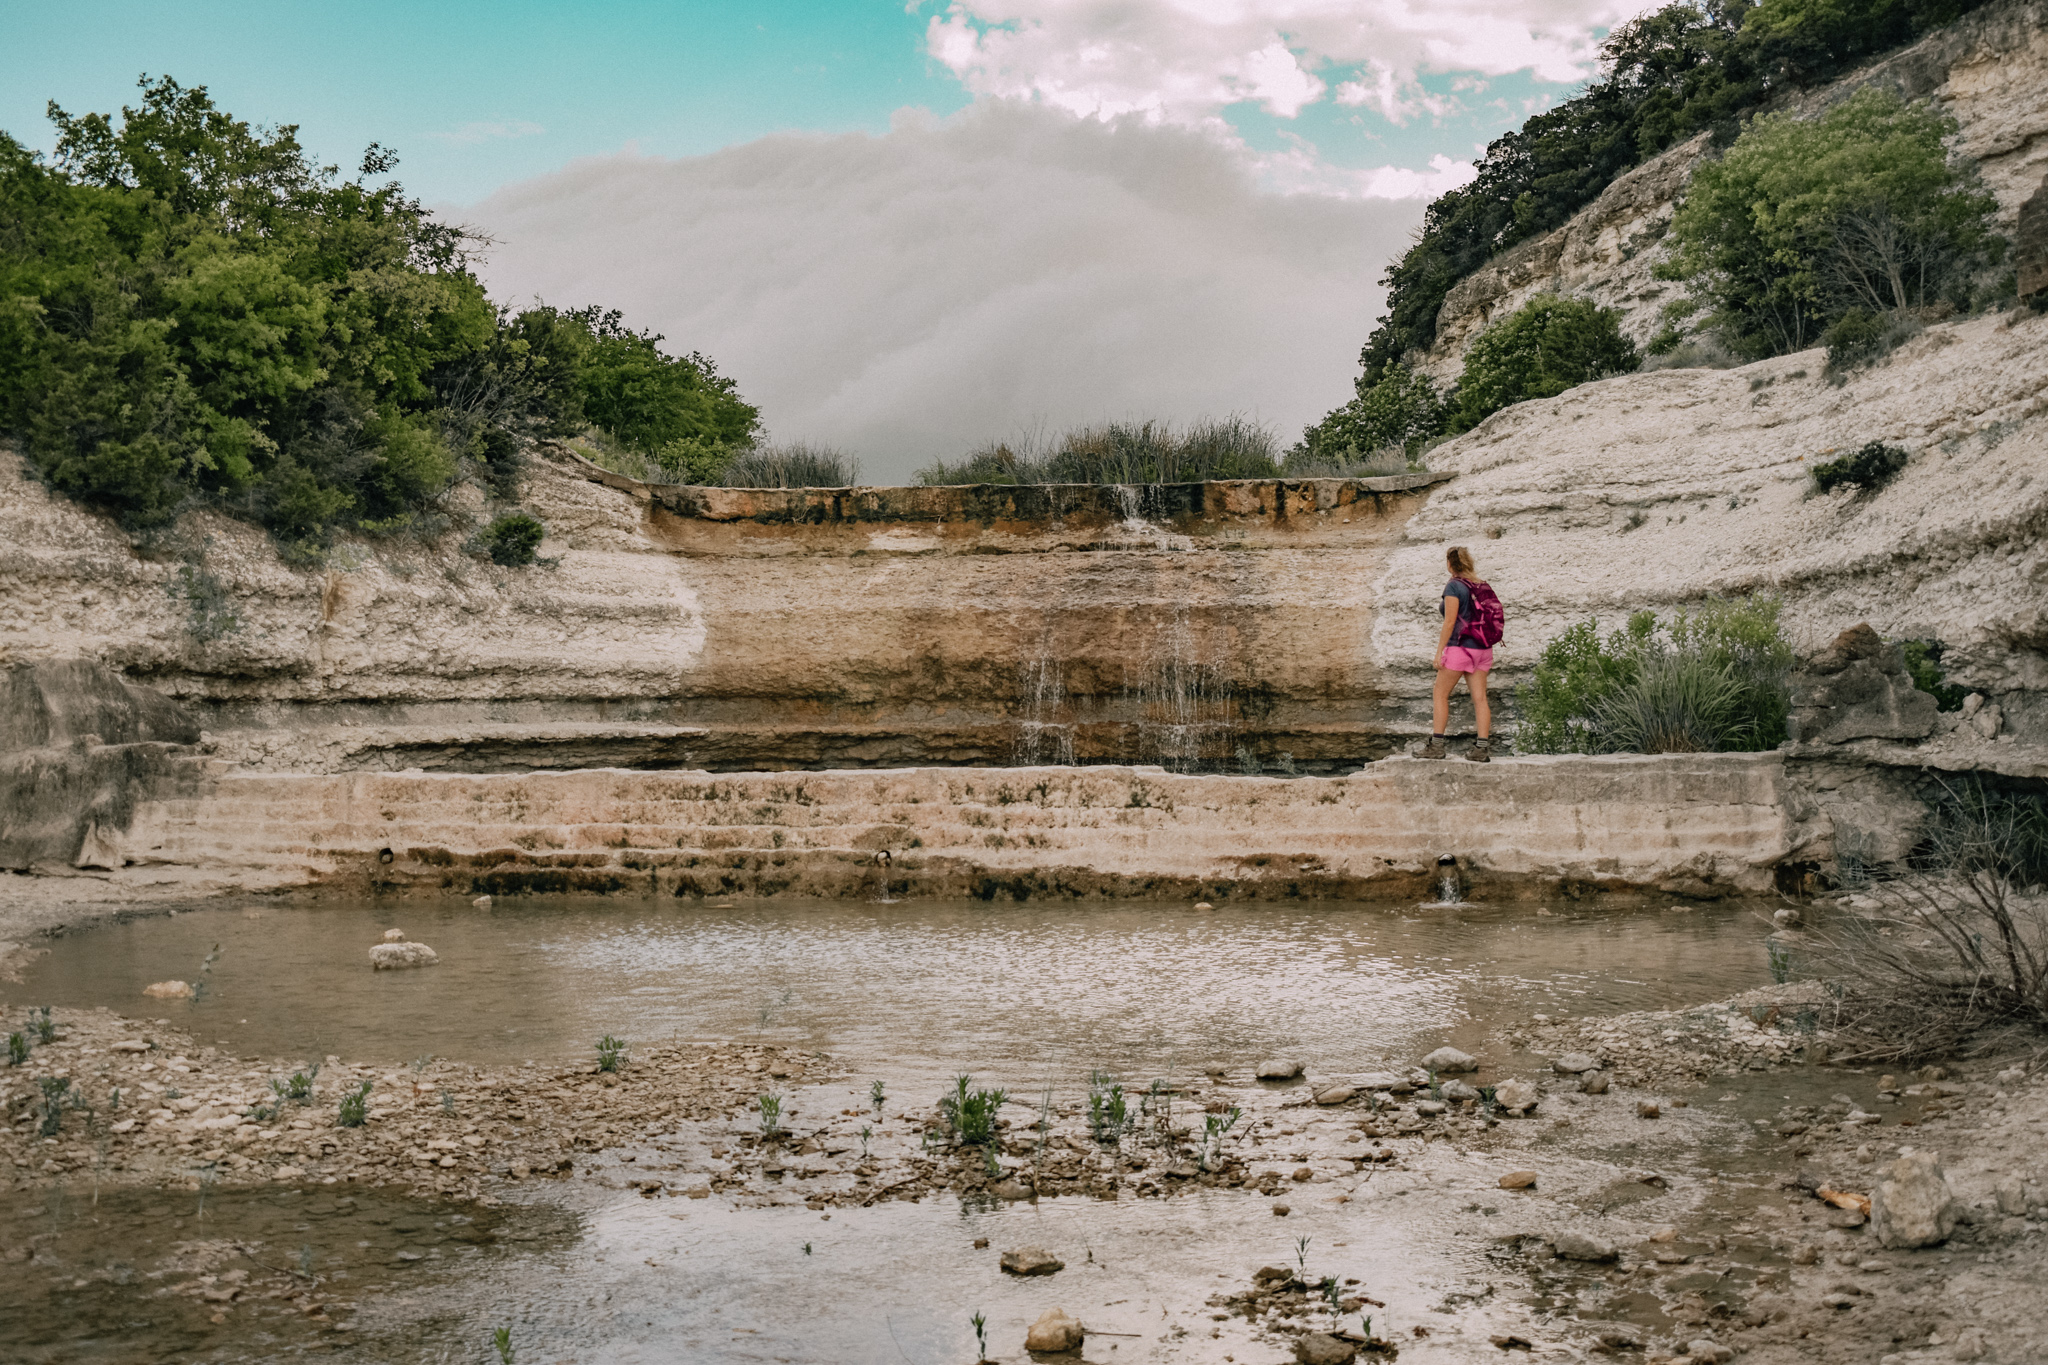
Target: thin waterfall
point(1045, 731)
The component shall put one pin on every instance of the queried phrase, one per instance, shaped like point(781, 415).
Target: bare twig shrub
point(1956, 954)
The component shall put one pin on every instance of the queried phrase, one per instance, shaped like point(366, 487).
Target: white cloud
point(913, 294)
point(1183, 61)
point(469, 134)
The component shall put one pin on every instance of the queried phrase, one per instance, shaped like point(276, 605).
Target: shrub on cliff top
point(1546, 346)
point(1147, 452)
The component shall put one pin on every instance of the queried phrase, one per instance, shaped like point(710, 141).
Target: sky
point(904, 229)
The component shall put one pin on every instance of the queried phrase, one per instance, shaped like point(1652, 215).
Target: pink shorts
point(1459, 659)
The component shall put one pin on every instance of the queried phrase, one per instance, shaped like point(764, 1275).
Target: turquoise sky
point(476, 95)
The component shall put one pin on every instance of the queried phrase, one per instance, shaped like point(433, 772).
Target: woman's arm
point(1450, 627)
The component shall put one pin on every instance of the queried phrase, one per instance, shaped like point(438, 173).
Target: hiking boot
point(1435, 748)
point(1481, 751)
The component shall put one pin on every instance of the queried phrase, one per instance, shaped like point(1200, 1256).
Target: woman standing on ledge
point(1462, 651)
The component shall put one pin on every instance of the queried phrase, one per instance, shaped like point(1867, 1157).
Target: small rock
point(1450, 1059)
point(1573, 1063)
point(1012, 1190)
point(1838, 1300)
point(1912, 1205)
point(1303, 1174)
point(1647, 1109)
point(1577, 1246)
point(1707, 1349)
point(2012, 1197)
point(1458, 1092)
point(1517, 1097)
point(1846, 1218)
point(1430, 1108)
point(981, 1244)
point(1620, 1336)
point(1281, 1210)
point(1031, 1261)
point(1203, 905)
point(1055, 1331)
point(168, 990)
point(394, 956)
point(1278, 1069)
point(394, 935)
point(482, 902)
point(1320, 1348)
point(1593, 1083)
point(1509, 1341)
point(1335, 1094)
point(1518, 1180)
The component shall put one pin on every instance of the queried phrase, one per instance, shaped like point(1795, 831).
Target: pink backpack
point(1489, 619)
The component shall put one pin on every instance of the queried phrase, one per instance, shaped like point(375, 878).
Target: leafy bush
point(1714, 679)
point(1400, 410)
point(197, 313)
point(1669, 74)
point(1546, 346)
point(1868, 469)
point(1923, 663)
point(1806, 221)
point(1122, 453)
point(512, 539)
point(792, 466)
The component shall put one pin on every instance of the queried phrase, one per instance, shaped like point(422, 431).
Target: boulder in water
point(393, 956)
point(1450, 1059)
point(1031, 1261)
point(1055, 1331)
point(1517, 1097)
point(168, 990)
point(1279, 1069)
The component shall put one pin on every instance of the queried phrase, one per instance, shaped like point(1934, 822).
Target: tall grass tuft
point(1676, 704)
point(1233, 447)
point(800, 464)
point(1349, 463)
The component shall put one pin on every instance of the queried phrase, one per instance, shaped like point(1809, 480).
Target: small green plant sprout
point(1781, 962)
point(299, 1089)
point(447, 1103)
point(421, 1063)
point(54, 1090)
point(501, 1342)
point(980, 1321)
point(1332, 1293)
point(263, 1112)
point(355, 1107)
point(865, 1133)
point(1109, 1115)
point(771, 1116)
point(43, 1024)
point(17, 1048)
point(1366, 1326)
point(1301, 1252)
point(875, 1097)
point(970, 1114)
point(1215, 1127)
point(991, 1167)
point(609, 1051)
point(114, 1098)
point(807, 1248)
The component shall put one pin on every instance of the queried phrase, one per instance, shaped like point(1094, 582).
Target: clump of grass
point(771, 1116)
point(1350, 463)
point(800, 464)
point(355, 1107)
point(610, 1051)
point(45, 1027)
point(55, 1091)
point(17, 1048)
point(501, 1342)
point(875, 1097)
point(970, 1114)
point(299, 1089)
point(1147, 452)
point(1215, 1128)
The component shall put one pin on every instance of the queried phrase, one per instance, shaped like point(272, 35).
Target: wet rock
point(1573, 1063)
point(168, 990)
point(1709, 1350)
point(1577, 1246)
point(1913, 1205)
point(1619, 1336)
point(1517, 1097)
point(397, 956)
point(1518, 1180)
point(1593, 1083)
point(1320, 1348)
point(1031, 1261)
point(1510, 1341)
point(1055, 1331)
point(1335, 1094)
point(1204, 905)
point(1281, 1210)
point(1450, 1059)
point(1648, 1109)
point(1278, 1069)
point(1458, 1092)
point(1430, 1108)
point(1010, 1189)
point(394, 935)
point(482, 902)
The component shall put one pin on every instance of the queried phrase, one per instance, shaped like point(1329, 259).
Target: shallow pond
point(1021, 993)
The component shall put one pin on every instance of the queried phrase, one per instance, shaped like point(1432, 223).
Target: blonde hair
point(1460, 561)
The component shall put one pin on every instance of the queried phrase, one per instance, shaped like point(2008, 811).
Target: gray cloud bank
point(952, 281)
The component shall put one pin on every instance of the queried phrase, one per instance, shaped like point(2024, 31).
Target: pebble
point(1573, 1063)
point(1648, 1109)
point(1518, 1180)
point(1577, 1246)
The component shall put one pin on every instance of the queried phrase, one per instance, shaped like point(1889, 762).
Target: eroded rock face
point(2030, 245)
point(1913, 1205)
point(1858, 688)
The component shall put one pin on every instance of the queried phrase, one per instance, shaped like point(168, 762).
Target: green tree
point(1401, 409)
point(1546, 346)
point(1805, 220)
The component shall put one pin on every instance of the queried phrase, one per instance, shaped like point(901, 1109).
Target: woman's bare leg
point(1445, 681)
point(1475, 683)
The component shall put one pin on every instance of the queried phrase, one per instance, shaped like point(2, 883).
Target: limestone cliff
point(1989, 70)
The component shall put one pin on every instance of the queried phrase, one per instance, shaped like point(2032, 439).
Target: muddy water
point(912, 993)
point(1022, 994)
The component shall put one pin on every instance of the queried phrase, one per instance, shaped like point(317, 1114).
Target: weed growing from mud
point(501, 1342)
point(1301, 1253)
point(355, 1107)
point(17, 1048)
point(875, 1097)
point(970, 1114)
point(1109, 1113)
point(980, 1321)
point(609, 1052)
point(54, 1090)
point(865, 1133)
point(45, 1027)
point(1215, 1127)
point(299, 1088)
point(807, 1248)
point(771, 1116)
